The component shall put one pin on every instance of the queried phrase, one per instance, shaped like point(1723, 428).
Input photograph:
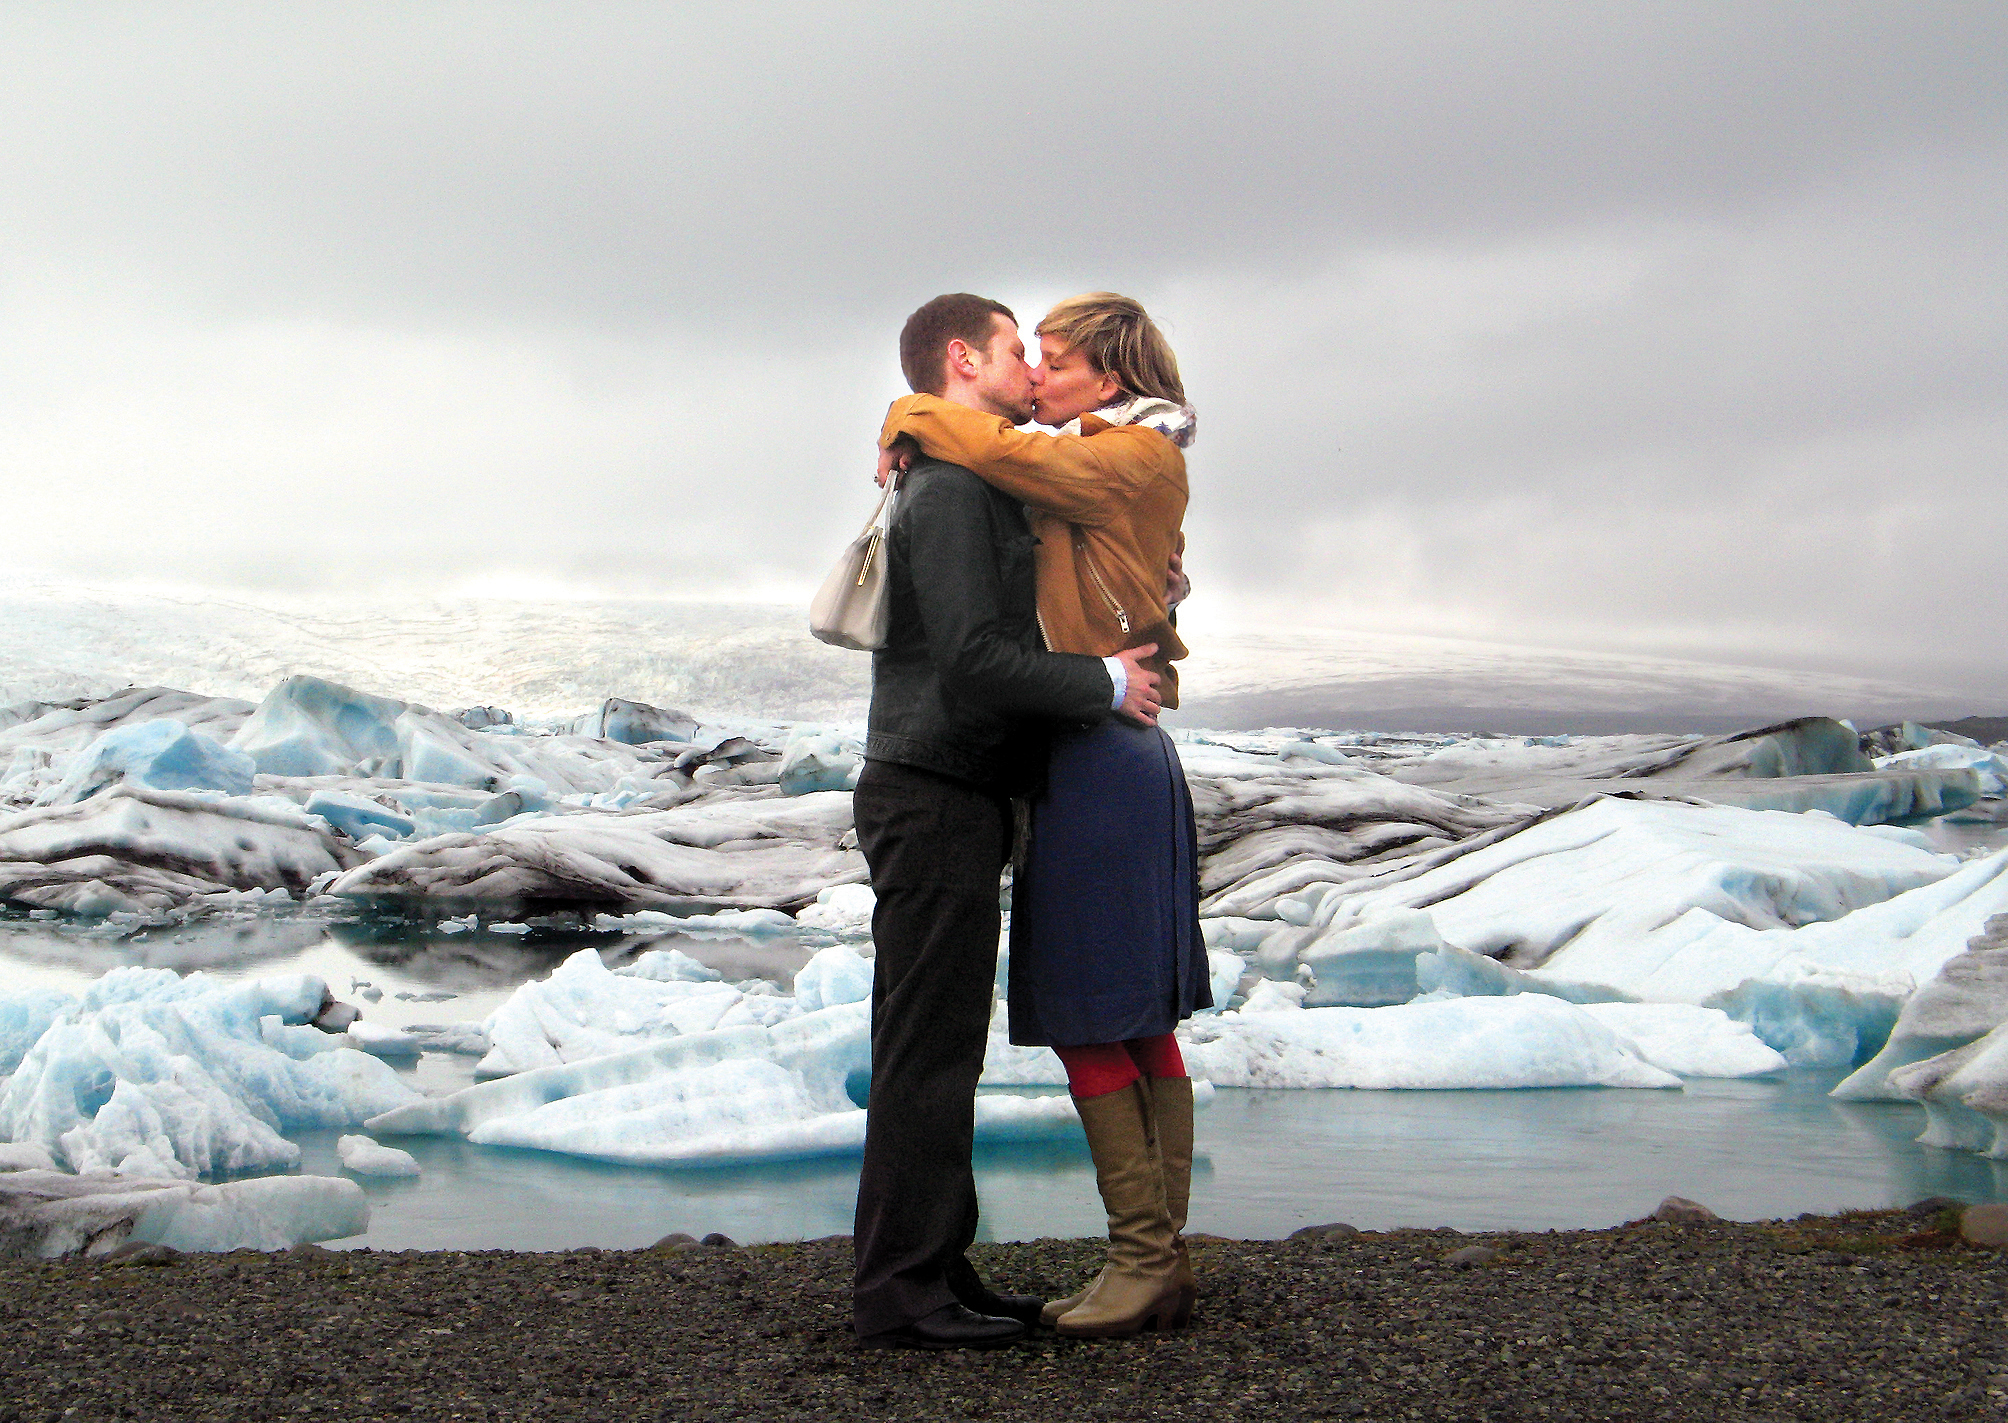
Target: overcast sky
point(1673, 328)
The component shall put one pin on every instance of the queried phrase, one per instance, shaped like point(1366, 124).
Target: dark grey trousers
point(936, 848)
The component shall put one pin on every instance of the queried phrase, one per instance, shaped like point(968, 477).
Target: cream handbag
point(853, 605)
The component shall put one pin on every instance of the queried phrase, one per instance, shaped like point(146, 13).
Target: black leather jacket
point(963, 686)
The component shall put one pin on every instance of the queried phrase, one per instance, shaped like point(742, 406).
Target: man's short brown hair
point(923, 341)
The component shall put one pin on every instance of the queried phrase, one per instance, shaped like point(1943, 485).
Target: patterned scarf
point(1177, 423)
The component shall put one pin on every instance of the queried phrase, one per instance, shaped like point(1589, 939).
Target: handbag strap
point(881, 518)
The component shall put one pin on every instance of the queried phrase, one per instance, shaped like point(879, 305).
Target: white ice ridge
point(47, 1214)
point(735, 854)
point(1528, 1040)
point(1651, 901)
point(152, 1074)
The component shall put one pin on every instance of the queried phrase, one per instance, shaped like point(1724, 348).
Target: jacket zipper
point(1081, 546)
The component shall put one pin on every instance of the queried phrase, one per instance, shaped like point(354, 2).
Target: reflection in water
point(213, 945)
point(1269, 1162)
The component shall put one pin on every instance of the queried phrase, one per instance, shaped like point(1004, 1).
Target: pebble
point(1473, 1255)
point(1679, 1210)
point(1985, 1225)
point(1742, 1321)
point(1337, 1228)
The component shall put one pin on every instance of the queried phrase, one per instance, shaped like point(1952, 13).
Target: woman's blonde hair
point(1120, 340)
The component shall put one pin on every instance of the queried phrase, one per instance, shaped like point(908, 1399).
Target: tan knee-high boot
point(1139, 1285)
point(1172, 1099)
point(1050, 1315)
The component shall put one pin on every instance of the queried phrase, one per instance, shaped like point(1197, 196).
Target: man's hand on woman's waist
point(1137, 697)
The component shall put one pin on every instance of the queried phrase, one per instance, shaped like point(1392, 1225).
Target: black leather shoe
point(972, 1293)
point(950, 1327)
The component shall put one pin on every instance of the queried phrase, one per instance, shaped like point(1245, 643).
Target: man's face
point(1003, 380)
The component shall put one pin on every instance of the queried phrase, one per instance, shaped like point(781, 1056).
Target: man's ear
point(960, 358)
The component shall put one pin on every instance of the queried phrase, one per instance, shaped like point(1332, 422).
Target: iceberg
point(49, 1214)
point(773, 853)
point(162, 754)
point(153, 1074)
point(365, 1157)
point(844, 910)
point(1813, 932)
point(1989, 766)
point(307, 726)
point(835, 975)
point(1525, 1041)
point(1966, 1000)
point(819, 761)
point(585, 1010)
point(1964, 1093)
point(136, 849)
point(636, 723)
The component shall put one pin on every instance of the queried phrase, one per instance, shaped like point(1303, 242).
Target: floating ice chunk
point(835, 975)
point(463, 1038)
point(357, 816)
point(507, 926)
point(1990, 766)
point(163, 754)
point(636, 723)
point(365, 1157)
point(155, 1074)
point(584, 1010)
point(1523, 1041)
point(381, 1041)
point(669, 966)
point(271, 1213)
point(843, 909)
point(48, 1214)
point(828, 1051)
point(819, 761)
point(1372, 963)
point(746, 923)
point(1688, 1041)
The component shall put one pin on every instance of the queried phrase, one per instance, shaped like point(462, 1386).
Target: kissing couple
point(1030, 643)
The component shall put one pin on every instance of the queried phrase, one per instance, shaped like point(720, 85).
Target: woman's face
point(1066, 384)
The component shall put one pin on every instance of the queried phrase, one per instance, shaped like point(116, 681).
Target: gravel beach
point(1886, 1315)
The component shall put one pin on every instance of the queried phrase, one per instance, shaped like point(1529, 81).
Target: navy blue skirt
point(1105, 942)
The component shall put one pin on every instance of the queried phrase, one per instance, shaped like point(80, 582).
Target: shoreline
point(1888, 1314)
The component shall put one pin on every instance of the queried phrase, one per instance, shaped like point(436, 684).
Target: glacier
point(149, 1073)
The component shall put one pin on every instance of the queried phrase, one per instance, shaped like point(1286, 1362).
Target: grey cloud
point(1673, 327)
point(628, 164)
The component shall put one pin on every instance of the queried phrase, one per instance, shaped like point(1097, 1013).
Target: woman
point(1106, 954)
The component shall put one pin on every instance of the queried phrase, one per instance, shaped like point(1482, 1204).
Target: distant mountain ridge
point(757, 659)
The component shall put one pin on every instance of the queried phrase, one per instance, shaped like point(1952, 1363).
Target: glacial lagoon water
point(1268, 1162)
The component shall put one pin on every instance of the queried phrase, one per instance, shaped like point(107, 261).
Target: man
point(961, 692)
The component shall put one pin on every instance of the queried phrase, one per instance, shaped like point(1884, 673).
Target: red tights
point(1096, 1068)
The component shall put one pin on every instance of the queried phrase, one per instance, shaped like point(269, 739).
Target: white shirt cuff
point(1119, 675)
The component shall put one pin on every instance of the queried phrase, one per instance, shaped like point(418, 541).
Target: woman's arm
point(1082, 479)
